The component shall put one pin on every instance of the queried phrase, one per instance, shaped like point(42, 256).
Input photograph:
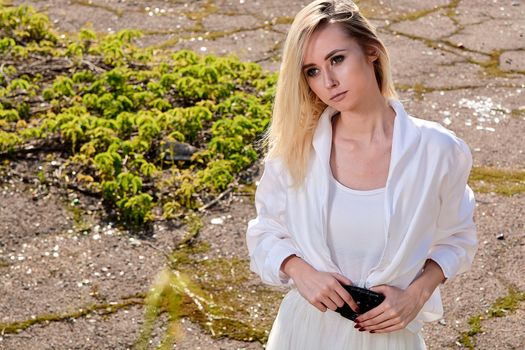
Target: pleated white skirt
point(300, 326)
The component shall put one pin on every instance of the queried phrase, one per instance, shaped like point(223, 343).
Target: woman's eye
point(338, 59)
point(311, 72)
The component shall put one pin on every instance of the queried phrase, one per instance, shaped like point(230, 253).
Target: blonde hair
point(296, 108)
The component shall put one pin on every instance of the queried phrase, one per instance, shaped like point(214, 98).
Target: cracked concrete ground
point(457, 62)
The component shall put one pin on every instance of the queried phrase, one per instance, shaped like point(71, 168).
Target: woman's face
point(337, 70)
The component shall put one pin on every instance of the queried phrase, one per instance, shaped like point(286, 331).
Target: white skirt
point(301, 326)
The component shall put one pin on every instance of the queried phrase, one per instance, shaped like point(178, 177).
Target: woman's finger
point(342, 279)
point(347, 298)
point(393, 328)
point(380, 322)
point(329, 303)
point(319, 306)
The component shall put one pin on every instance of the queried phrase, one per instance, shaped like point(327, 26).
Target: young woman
point(355, 192)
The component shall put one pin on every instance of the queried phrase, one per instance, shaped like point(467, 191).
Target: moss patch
point(507, 304)
point(518, 112)
point(491, 66)
point(151, 132)
point(3, 263)
point(500, 181)
point(99, 309)
point(218, 294)
point(117, 12)
point(500, 308)
point(206, 10)
point(247, 190)
point(415, 15)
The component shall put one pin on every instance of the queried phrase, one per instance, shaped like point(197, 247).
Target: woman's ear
point(372, 54)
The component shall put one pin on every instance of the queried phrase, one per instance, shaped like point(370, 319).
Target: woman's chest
point(360, 169)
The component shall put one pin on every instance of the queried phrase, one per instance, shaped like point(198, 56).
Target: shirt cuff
point(446, 259)
point(277, 255)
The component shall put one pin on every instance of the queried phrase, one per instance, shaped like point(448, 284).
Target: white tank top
point(356, 225)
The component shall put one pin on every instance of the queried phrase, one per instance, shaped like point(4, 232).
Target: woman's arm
point(321, 289)
point(267, 237)
point(452, 252)
point(425, 284)
point(455, 240)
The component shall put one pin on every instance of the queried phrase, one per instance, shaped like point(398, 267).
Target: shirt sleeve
point(455, 241)
point(269, 242)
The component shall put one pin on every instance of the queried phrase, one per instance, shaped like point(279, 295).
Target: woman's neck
point(372, 122)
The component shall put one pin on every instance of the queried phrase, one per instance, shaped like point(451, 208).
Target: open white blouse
point(428, 210)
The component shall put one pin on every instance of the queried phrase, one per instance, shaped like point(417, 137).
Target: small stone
point(500, 237)
point(96, 237)
point(217, 221)
point(133, 241)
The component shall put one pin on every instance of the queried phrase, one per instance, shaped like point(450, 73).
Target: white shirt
point(355, 231)
point(428, 210)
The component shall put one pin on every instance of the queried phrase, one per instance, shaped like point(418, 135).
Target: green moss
point(466, 341)
point(475, 325)
point(419, 90)
point(501, 307)
point(205, 10)
point(208, 35)
point(42, 177)
point(247, 190)
point(182, 256)
point(217, 293)
point(507, 304)
point(282, 20)
point(451, 8)
point(491, 66)
point(518, 112)
point(415, 15)
point(117, 12)
point(500, 181)
point(115, 122)
point(4, 263)
point(99, 309)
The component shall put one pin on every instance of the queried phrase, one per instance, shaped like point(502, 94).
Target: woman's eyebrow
point(330, 54)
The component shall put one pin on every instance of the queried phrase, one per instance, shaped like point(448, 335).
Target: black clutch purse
point(365, 300)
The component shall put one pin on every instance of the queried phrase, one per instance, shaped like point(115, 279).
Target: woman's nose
point(329, 80)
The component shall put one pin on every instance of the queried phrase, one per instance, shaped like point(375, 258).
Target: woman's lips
point(338, 97)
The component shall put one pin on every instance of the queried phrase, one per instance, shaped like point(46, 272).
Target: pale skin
point(341, 74)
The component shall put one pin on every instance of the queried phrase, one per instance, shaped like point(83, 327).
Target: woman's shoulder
point(275, 167)
point(436, 135)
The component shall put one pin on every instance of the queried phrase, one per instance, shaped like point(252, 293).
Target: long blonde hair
point(296, 108)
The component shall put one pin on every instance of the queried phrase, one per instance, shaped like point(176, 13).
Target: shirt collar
point(405, 135)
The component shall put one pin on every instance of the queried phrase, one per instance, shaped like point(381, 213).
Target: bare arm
point(425, 284)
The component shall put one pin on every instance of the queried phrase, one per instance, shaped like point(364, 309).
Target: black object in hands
point(365, 300)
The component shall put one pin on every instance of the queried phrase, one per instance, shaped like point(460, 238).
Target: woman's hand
point(394, 313)
point(402, 306)
point(321, 289)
